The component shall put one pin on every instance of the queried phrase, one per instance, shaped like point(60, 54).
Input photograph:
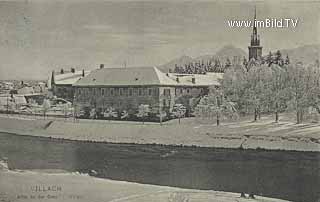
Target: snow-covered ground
point(36, 186)
point(241, 134)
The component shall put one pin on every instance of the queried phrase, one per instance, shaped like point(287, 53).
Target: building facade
point(125, 89)
point(61, 84)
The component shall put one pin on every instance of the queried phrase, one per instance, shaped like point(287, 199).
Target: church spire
point(255, 50)
point(254, 37)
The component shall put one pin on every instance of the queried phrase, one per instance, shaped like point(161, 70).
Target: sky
point(38, 36)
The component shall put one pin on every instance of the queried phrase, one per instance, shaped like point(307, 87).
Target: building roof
point(68, 78)
point(208, 79)
point(131, 76)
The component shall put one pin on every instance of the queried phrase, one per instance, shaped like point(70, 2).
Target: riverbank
point(30, 186)
point(264, 134)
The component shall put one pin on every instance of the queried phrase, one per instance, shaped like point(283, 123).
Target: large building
point(127, 88)
point(255, 50)
point(61, 83)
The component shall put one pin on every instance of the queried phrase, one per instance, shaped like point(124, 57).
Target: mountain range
point(306, 54)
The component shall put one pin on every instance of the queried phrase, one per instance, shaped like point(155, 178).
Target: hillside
point(225, 52)
point(306, 54)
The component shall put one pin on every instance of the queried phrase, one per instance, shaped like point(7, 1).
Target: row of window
point(129, 91)
point(118, 91)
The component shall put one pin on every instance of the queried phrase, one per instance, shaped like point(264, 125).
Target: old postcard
point(159, 101)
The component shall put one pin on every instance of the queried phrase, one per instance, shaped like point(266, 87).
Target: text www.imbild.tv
point(266, 23)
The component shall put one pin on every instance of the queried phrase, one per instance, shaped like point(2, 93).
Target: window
point(166, 92)
point(130, 92)
point(135, 91)
point(121, 92)
point(150, 92)
point(140, 92)
point(106, 91)
point(111, 92)
point(188, 90)
point(181, 90)
point(102, 91)
point(116, 91)
point(125, 92)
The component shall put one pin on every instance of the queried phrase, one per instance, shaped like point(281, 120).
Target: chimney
point(62, 71)
point(73, 70)
point(101, 66)
point(193, 80)
point(83, 73)
point(177, 79)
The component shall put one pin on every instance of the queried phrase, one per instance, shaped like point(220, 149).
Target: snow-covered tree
point(287, 60)
point(179, 111)
point(110, 112)
point(215, 104)
point(269, 60)
point(227, 64)
point(143, 111)
point(300, 87)
point(245, 63)
point(279, 93)
point(278, 58)
point(234, 84)
point(46, 105)
point(124, 114)
point(93, 113)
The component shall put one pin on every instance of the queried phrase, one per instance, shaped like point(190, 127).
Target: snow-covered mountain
point(225, 52)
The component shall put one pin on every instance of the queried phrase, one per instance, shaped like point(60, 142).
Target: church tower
point(255, 50)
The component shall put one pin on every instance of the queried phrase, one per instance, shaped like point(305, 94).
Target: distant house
point(26, 90)
point(61, 83)
point(127, 88)
point(8, 85)
point(40, 87)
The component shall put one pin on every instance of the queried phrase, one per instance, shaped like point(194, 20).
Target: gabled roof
point(68, 78)
point(131, 76)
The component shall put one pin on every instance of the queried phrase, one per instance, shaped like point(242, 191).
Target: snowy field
point(265, 133)
point(31, 186)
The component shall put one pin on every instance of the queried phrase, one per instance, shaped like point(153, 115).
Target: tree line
point(264, 89)
point(214, 64)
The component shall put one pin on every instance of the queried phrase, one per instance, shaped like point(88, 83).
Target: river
point(279, 174)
